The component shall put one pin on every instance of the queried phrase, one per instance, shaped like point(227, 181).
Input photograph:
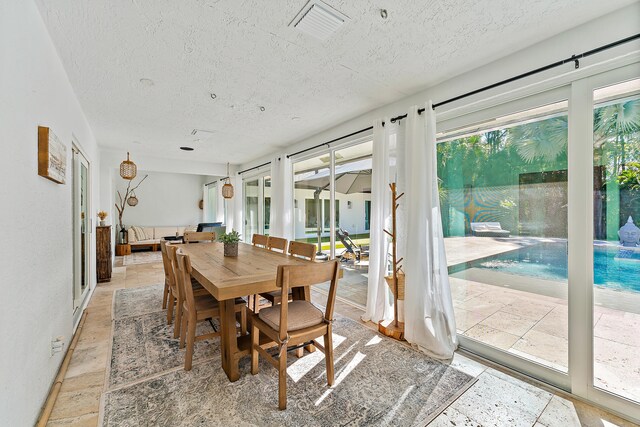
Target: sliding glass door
point(503, 190)
point(616, 239)
point(540, 203)
point(257, 204)
point(332, 202)
point(81, 232)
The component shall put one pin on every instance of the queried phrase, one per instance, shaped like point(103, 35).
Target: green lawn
point(358, 239)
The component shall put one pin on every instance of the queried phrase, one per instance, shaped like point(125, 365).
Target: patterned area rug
point(378, 382)
point(142, 258)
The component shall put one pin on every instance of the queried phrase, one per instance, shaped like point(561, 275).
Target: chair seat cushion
point(301, 314)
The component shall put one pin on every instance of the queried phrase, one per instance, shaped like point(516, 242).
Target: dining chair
point(259, 240)
point(302, 250)
point(198, 236)
point(175, 294)
point(277, 244)
point(291, 325)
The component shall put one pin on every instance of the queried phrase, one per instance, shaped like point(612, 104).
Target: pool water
point(614, 267)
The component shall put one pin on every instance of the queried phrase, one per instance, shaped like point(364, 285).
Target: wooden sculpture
point(394, 329)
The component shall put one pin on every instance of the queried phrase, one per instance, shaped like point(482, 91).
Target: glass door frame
point(483, 115)
point(260, 177)
point(331, 151)
point(581, 233)
point(79, 297)
point(579, 380)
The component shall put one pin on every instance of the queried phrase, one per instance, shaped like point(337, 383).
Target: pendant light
point(227, 188)
point(128, 169)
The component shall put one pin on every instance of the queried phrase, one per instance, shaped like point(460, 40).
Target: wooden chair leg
point(191, 337)
point(243, 321)
point(328, 356)
point(282, 380)
point(165, 295)
point(255, 341)
point(171, 301)
point(256, 303)
point(183, 331)
point(178, 323)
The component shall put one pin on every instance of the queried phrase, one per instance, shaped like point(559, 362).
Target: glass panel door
point(616, 245)
point(504, 197)
point(311, 201)
point(266, 204)
point(352, 183)
point(81, 231)
point(251, 220)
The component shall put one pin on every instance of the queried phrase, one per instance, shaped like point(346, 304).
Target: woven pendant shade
point(227, 188)
point(128, 169)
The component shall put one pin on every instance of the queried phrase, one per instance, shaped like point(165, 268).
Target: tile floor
point(496, 399)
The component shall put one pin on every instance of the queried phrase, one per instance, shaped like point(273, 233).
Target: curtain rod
point(256, 167)
point(329, 142)
point(573, 58)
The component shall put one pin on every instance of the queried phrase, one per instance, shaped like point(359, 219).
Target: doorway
point(81, 232)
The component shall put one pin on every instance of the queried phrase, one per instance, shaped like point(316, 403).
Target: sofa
point(149, 237)
point(488, 229)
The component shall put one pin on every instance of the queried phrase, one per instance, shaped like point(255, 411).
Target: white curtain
point(281, 215)
point(429, 317)
point(379, 302)
point(220, 203)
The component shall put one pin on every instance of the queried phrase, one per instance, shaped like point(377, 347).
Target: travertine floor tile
point(491, 336)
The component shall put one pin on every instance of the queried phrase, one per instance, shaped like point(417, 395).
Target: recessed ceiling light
point(262, 108)
point(318, 20)
point(147, 82)
point(186, 148)
point(295, 118)
point(383, 13)
point(213, 95)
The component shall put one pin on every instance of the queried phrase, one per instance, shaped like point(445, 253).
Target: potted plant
point(102, 215)
point(230, 241)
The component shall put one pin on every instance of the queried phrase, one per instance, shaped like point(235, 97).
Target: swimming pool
point(614, 267)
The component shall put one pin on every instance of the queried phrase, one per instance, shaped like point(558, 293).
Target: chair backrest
point(171, 256)
point(302, 250)
point(183, 276)
point(198, 236)
point(259, 240)
point(277, 244)
point(166, 264)
point(294, 276)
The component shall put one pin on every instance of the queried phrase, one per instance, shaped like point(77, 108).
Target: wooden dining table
point(253, 271)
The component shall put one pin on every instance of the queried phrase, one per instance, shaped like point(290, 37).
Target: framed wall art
point(52, 156)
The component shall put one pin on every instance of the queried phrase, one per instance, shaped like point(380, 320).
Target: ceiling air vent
point(318, 20)
point(202, 132)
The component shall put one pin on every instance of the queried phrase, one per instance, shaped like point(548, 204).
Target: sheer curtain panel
point(378, 298)
point(429, 317)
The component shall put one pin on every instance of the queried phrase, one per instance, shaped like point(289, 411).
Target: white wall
point(36, 257)
point(165, 199)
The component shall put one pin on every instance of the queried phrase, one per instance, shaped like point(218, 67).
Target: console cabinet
point(103, 253)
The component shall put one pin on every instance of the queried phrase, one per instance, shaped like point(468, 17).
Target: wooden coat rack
point(394, 329)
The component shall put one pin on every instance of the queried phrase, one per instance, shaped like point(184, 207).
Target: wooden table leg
point(228, 341)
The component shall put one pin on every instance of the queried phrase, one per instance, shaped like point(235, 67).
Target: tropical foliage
point(535, 152)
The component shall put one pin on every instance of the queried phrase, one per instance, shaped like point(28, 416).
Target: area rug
point(137, 301)
point(142, 258)
point(378, 382)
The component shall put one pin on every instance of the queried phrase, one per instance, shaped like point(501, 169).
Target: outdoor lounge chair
point(351, 250)
point(488, 229)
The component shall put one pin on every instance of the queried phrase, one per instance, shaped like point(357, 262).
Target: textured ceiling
point(245, 53)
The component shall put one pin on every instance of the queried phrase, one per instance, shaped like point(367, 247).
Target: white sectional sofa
point(150, 236)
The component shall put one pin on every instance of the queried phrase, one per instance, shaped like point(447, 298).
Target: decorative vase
point(102, 223)
point(231, 249)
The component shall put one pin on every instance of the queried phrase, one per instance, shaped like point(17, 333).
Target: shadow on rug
point(378, 381)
